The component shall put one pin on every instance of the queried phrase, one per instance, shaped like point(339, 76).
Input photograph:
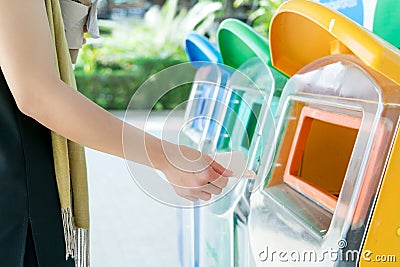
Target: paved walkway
point(129, 228)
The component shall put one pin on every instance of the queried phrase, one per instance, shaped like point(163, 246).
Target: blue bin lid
point(199, 48)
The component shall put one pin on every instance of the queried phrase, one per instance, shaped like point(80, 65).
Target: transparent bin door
point(321, 179)
point(270, 86)
point(247, 119)
point(254, 83)
point(202, 109)
point(230, 117)
point(216, 118)
point(207, 92)
point(253, 86)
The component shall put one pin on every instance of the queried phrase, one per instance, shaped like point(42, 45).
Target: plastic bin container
point(238, 43)
point(202, 99)
point(200, 108)
point(253, 89)
point(337, 129)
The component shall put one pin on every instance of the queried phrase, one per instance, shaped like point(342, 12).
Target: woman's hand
point(192, 174)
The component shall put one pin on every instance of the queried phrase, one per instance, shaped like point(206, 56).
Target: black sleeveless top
point(28, 190)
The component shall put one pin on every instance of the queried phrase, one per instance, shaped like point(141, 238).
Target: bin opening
point(230, 118)
point(320, 154)
point(251, 125)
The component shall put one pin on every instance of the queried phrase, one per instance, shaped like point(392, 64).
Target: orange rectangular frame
point(299, 143)
point(307, 115)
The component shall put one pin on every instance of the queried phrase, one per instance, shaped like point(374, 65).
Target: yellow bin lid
point(303, 31)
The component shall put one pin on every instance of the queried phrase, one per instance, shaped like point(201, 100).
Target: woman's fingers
point(220, 169)
point(221, 182)
point(202, 195)
point(212, 181)
point(204, 192)
point(198, 180)
point(191, 198)
point(212, 189)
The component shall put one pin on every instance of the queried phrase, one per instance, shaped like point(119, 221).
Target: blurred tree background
point(142, 37)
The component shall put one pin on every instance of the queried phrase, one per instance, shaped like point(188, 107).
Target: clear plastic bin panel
point(251, 125)
point(202, 106)
point(203, 110)
point(229, 120)
point(332, 140)
point(248, 117)
point(249, 94)
point(217, 114)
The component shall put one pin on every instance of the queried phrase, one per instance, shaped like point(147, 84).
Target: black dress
point(31, 232)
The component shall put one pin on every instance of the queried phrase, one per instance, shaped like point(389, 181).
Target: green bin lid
point(238, 42)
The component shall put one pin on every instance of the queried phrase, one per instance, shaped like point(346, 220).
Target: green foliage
point(111, 71)
point(261, 13)
point(114, 90)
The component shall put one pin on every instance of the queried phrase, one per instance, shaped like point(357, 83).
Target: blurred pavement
point(128, 228)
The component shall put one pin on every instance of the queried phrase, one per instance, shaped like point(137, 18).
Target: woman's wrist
point(156, 153)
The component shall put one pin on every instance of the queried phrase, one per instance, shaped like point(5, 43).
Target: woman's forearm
point(70, 114)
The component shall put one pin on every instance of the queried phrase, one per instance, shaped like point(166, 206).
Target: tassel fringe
point(69, 232)
point(76, 240)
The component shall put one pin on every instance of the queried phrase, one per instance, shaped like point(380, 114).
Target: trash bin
point(196, 130)
point(330, 190)
point(238, 43)
point(254, 88)
point(204, 91)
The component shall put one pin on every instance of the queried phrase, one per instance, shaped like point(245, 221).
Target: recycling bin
point(205, 90)
point(195, 133)
point(254, 89)
point(238, 43)
point(328, 198)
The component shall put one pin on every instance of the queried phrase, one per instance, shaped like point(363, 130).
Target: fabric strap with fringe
point(69, 157)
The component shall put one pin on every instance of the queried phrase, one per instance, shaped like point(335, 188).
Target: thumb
point(218, 168)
